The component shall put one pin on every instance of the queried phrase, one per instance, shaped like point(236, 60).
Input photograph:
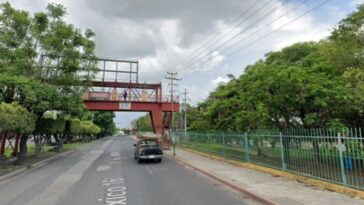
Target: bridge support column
point(156, 116)
point(157, 121)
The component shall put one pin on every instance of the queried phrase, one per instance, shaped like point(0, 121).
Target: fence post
point(223, 144)
point(342, 168)
point(246, 147)
point(284, 166)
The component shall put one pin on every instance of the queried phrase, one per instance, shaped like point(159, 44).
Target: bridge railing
point(129, 97)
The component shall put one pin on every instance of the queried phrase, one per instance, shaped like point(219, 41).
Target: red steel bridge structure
point(114, 86)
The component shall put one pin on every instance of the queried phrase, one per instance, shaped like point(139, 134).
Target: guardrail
point(324, 154)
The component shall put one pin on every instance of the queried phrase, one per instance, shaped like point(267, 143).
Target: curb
point(305, 180)
point(37, 165)
point(245, 192)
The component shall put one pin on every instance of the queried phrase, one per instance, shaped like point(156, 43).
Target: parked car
point(148, 149)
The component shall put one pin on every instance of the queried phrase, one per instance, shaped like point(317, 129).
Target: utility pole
point(185, 112)
point(172, 77)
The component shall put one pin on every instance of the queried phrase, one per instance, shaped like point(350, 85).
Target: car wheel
point(159, 160)
point(139, 160)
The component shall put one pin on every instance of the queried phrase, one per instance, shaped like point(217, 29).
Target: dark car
point(148, 149)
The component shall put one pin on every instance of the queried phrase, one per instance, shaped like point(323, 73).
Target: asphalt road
point(104, 172)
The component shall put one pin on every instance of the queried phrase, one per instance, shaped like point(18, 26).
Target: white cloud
point(357, 2)
point(220, 80)
point(196, 93)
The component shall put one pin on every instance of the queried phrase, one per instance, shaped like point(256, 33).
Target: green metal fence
point(324, 154)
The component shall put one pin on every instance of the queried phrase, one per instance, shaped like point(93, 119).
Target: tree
point(63, 52)
point(105, 121)
point(16, 119)
point(48, 127)
point(84, 129)
point(144, 123)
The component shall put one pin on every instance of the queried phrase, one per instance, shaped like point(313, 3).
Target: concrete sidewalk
point(277, 189)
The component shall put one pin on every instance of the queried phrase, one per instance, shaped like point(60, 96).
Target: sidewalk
point(277, 189)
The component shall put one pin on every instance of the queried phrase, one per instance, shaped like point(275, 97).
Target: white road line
point(115, 154)
point(106, 144)
point(103, 168)
point(149, 170)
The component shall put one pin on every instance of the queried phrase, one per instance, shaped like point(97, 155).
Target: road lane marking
point(149, 170)
point(160, 169)
point(106, 144)
point(116, 191)
point(115, 154)
point(103, 168)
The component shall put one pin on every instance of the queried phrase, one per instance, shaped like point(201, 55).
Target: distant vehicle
point(148, 149)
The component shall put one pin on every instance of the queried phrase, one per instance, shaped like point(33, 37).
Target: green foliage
point(144, 123)
point(305, 85)
point(27, 77)
point(89, 127)
point(76, 127)
point(24, 39)
point(105, 121)
point(34, 95)
point(50, 126)
point(79, 127)
point(15, 118)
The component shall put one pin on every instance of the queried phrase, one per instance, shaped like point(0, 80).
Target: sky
point(202, 40)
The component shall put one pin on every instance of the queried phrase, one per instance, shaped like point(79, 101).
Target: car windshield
point(148, 143)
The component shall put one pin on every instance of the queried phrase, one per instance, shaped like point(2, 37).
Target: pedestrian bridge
point(139, 98)
point(115, 86)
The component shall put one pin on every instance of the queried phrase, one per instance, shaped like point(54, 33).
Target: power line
point(243, 31)
point(209, 40)
point(272, 32)
point(277, 29)
point(236, 35)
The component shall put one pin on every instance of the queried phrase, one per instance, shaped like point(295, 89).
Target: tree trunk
point(3, 136)
point(256, 144)
point(38, 144)
point(61, 139)
point(49, 139)
point(16, 145)
point(23, 150)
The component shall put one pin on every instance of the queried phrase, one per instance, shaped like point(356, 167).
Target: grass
point(45, 154)
point(238, 150)
point(72, 146)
